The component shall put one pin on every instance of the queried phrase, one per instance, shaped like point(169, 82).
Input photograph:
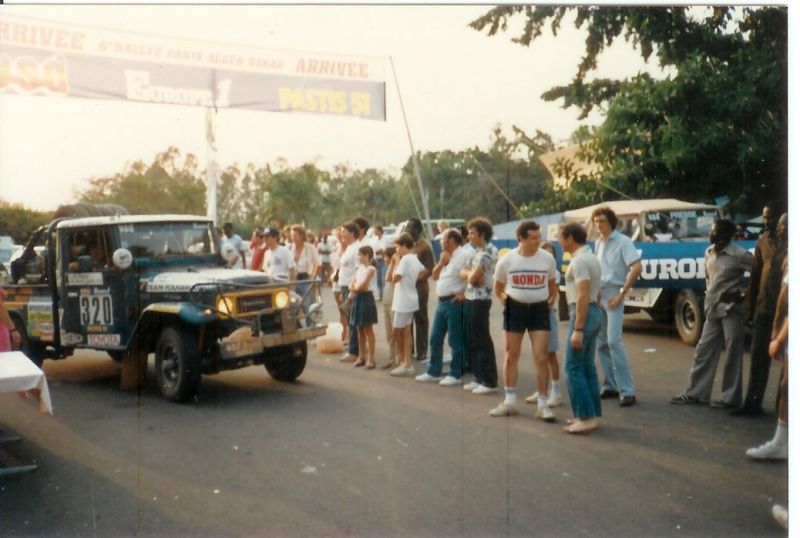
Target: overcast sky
point(456, 84)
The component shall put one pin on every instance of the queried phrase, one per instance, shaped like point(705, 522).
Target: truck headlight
point(225, 305)
point(281, 299)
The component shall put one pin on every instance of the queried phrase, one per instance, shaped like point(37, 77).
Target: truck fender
point(158, 315)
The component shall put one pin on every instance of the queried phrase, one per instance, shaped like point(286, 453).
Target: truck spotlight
point(281, 299)
point(225, 305)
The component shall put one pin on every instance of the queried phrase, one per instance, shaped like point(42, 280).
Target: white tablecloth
point(19, 374)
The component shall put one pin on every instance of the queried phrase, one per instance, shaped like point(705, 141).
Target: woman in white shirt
point(307, 266)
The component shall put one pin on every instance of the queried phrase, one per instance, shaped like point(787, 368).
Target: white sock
point(781, 434)
point(511, 395)
point(555, 389)
point(542, 401)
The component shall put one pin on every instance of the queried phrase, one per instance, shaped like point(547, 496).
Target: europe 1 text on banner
point(53, 59)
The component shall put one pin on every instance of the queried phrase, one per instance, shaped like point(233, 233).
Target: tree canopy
point(715, 125)
point(460, 184)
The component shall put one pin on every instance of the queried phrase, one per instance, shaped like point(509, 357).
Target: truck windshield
point(685, 224)
point(167, 239)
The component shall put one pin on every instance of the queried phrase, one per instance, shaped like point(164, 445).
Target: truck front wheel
point(177, 365)
point(689, 316)
point(288, 363)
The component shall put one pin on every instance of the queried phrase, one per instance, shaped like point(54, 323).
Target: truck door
point(93, 294)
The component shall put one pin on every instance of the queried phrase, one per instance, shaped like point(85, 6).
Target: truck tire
point(289, 364)
point(689, 316)
point(177, 365)
point(31, 350)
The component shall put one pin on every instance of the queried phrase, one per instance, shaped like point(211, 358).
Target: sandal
point(370, 365)
point(358, 363)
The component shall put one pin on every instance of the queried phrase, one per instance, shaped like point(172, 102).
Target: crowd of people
point(467, 276)
point(366, 271)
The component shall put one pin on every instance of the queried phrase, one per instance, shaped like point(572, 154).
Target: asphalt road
point(348, 452)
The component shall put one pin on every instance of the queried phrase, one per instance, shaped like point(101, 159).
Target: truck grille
point(250, 304)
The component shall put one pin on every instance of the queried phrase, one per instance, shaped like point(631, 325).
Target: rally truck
point(131, 285)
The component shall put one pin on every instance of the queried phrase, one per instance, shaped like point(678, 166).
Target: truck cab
point(132, 285)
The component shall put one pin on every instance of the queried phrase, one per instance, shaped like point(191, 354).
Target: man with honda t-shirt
point(524, 280)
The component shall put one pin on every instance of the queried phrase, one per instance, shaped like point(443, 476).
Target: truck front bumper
point(235, 348)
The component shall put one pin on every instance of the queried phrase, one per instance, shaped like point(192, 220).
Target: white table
point(19, 374)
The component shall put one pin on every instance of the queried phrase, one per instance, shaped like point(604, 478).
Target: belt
point(302, 276)
point(732, 297)
point(446, 298)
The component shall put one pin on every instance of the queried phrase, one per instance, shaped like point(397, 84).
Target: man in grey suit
point(725, 309)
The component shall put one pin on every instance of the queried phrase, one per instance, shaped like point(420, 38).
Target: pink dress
point(5, 335)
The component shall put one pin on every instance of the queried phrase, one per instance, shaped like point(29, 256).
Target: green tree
point(18, 221)
point(716, 124)
point(474, 182)
point(164, 186)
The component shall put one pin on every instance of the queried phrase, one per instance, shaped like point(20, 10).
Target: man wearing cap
point(236, 241)
point(278, 261)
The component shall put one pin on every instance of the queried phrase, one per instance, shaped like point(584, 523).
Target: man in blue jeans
point(621, 265)
point(449, 316)
point(582, 281)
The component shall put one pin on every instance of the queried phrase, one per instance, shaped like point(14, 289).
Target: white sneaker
point(503, 409)
point(450, 381)
point(533, 398)
point(554, 400)
point(472, 385)
point(483, 389)
point(425, 378)
point(544, 413)
point(781, 515)
point(402, 371)
point(768, 451)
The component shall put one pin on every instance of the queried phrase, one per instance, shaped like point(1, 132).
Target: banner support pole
point(413, 157)
point(211, 166)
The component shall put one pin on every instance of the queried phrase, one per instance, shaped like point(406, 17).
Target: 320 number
point(96, 310)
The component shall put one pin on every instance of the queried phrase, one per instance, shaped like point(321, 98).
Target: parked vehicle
point(672, 236)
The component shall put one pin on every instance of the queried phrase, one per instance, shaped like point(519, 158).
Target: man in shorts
point(524, 280)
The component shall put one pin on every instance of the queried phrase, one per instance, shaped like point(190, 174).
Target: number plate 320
point(96, 310)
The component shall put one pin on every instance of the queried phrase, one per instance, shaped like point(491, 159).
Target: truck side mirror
point(122, 258)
